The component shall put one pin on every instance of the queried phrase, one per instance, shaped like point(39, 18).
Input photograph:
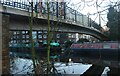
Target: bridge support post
point(4, 45)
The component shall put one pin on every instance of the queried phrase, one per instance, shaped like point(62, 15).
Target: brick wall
point(4, 44)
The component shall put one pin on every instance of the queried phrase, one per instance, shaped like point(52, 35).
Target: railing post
point(57, 9)
point(75, 16)
point(83, 20)
point(64, 10)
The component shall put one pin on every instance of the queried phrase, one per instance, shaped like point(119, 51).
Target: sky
point(90, 7)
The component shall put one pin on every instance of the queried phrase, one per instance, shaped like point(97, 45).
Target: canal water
point(24, 66)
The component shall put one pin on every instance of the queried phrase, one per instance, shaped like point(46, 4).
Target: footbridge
point(70, 21)
point(14, 15)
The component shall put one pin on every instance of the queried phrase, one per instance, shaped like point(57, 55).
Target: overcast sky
point(90, 7)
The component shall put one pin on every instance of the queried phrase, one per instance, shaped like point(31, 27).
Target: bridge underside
point(18, 22)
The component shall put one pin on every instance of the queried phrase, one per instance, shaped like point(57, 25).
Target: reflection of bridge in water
point(99, 62)
point(100, 51)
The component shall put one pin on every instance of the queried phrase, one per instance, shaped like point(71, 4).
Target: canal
point(20, 64)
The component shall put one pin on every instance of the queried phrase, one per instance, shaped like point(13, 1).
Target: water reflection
point(24, 66)
point(107, 69)
point(80, 66)
point(21, 66)
point(111, 66)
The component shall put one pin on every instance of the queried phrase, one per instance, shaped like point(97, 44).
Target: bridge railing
point(15, 4)
point(57, 10)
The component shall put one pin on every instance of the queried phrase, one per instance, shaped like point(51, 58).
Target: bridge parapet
point(64, 14)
